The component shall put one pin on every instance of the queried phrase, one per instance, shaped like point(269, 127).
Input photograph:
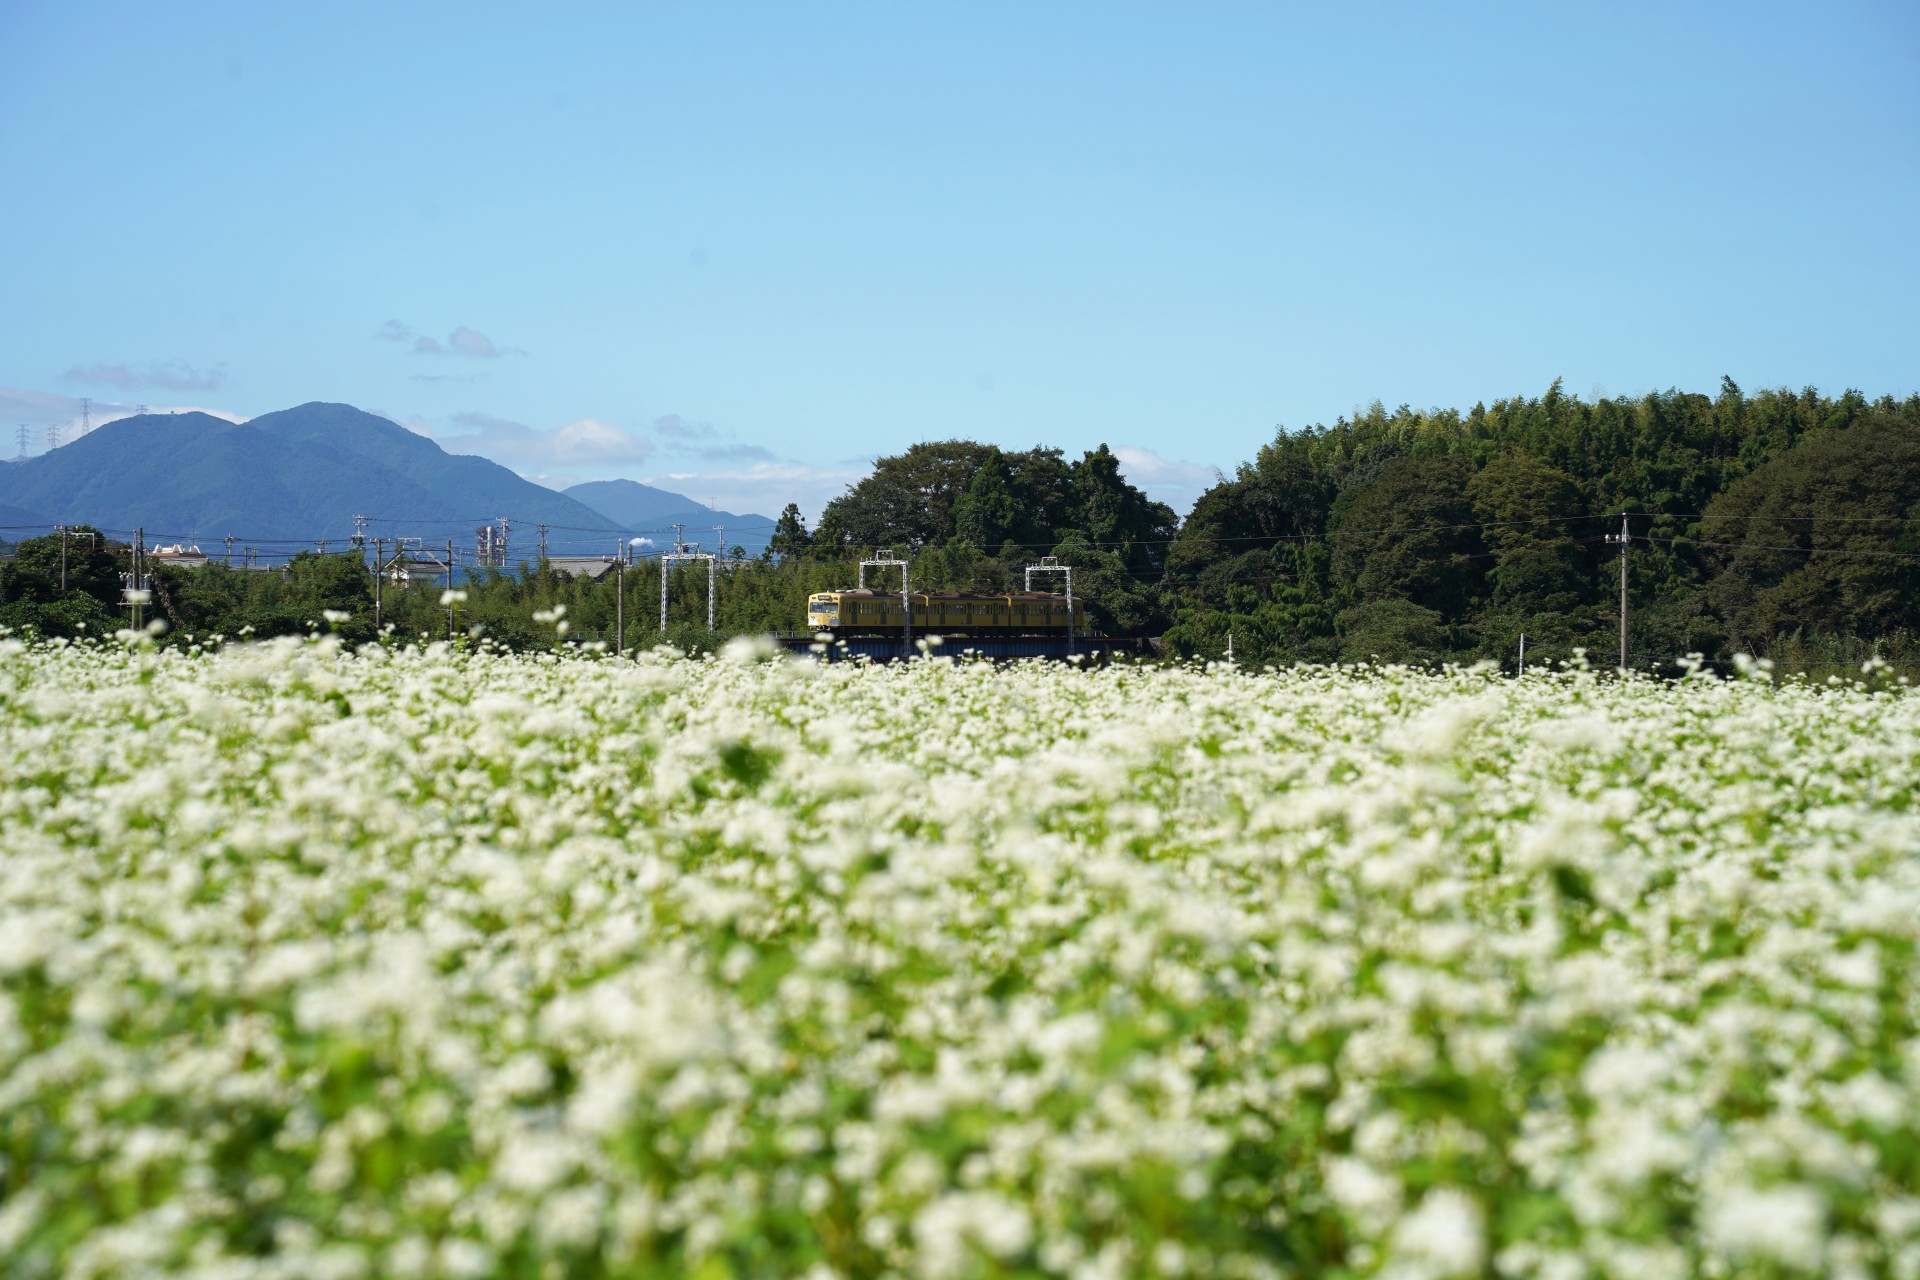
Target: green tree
point(30, 590)
point(790, 536)
point(988, 514)
point(1529, 513)
point(1410, 535)
point(908, 501)
point(1818, 539)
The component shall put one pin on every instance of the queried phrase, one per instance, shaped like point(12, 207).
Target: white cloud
point(583, 443)
point(463, 341)
point(589, 440)
point(1176, 483)
point(675, 427)
point(163, 375)
point(471, 342)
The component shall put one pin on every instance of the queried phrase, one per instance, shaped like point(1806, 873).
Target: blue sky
point(738, 250)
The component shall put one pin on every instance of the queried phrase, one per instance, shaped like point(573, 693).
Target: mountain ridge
point(297, 477)
point(642, 508)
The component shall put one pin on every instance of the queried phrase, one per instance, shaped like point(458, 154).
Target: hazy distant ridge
point(643, 508)
point(298, 476)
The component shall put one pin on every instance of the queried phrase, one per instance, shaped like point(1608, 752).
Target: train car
point(943, 613)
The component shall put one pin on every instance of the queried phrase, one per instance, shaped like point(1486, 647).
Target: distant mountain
point(289, 479)
point(644, 509)
point(629, 502)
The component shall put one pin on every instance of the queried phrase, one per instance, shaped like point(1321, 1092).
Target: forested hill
point(1758, 524)
point(1763, 524)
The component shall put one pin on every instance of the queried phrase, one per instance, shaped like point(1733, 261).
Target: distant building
point(592, 568)
point(406, 570)
point(181, 557)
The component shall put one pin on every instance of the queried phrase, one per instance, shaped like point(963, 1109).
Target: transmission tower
point(1051, 564)
point(888, 560)
point(86, 414)
point(53, 436)
point(683, 551)
point(21, 435)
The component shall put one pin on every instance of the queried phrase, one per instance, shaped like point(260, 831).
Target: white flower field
point(324, 965)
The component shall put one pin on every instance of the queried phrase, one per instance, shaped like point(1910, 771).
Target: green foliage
point(1758, 521)
point(31, 596)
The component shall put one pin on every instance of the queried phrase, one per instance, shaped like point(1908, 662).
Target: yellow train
point(945, 613)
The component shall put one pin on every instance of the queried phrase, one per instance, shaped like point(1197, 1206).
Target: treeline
point(966, 515)
point(1781, 524)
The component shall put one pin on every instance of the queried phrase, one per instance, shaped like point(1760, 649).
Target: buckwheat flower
point(950, 1226)
point(571, 1219)
point(532, 1162)
point(750, 649)
point(19, 1215)
point(1784, 1224)
point(461, 1258)
point(521, 1076)
point(1369, 1195)
point(1444, 1236)
point(408, 1258)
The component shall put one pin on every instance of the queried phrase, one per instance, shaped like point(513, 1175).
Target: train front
point(823, 611)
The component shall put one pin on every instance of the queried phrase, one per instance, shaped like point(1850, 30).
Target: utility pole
point(1523, 653)
point(1624, 539)
point(449, 590)
point(543, 543)
point(619, 601)
point(888, 560)
point(1051, 564)
point(139, 549)
point(359, 538)
point(229, 551)
point(379, 577)
point(63, 560)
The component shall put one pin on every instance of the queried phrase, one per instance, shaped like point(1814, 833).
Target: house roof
point(592, 568)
